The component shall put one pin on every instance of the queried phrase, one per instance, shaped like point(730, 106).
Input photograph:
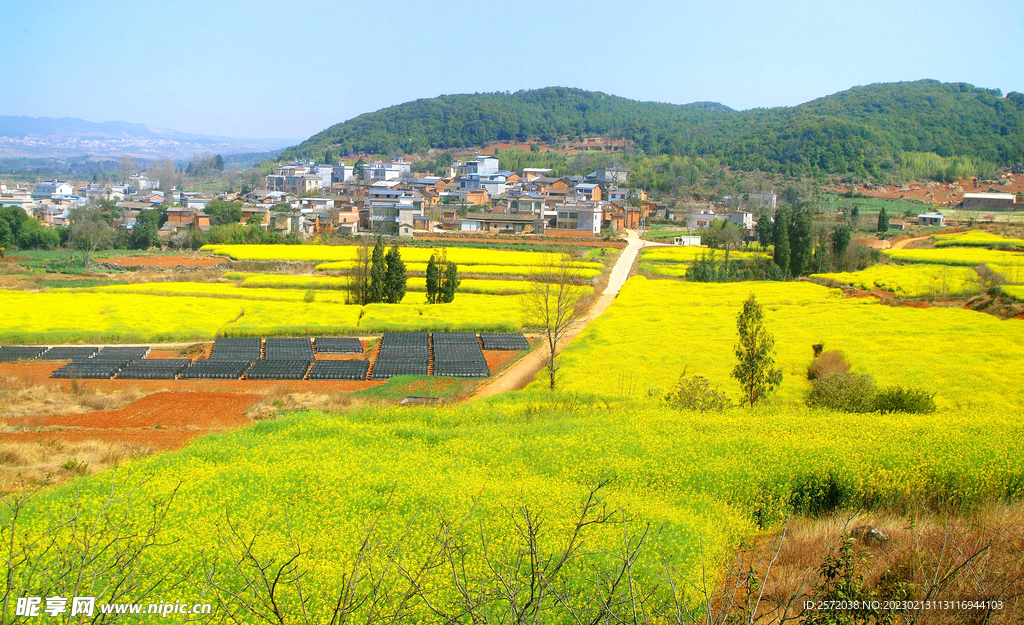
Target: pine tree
point(800, 242)
point(883, 220)
point(450, 284)
point(395, 280)
point(329, 157)
point(378, 273)
point(756, 369)
point(432, 280)
point(781, 254)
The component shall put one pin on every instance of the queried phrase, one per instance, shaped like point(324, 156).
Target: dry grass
point(832, 361)
point(26, 465)
point(967, 557)
point(281, 399)
point(27, 398)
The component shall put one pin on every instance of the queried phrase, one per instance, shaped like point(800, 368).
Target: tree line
point(380, 277)
point(865, 131)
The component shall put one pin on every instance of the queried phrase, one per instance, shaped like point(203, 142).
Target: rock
point(870, 536)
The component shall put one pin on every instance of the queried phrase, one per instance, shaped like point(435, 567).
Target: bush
point(309, 297)
point(832, 361)
point(696, 393)
point(850, 392)
point(899, 399)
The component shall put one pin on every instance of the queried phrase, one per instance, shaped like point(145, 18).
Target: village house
point(503, 223)
point(990, 201)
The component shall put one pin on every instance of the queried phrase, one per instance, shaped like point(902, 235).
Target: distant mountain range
point(864, 131)
point(37, 137)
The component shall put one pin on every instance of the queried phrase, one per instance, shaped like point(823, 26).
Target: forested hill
point(864, 130)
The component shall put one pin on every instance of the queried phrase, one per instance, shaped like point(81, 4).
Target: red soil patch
point(497, 360)
point(207, 411)
point(163, 420)
point(175, 260)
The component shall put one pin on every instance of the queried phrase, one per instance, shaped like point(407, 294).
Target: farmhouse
point(932, 219)
point(990, 201)
point(503, 223)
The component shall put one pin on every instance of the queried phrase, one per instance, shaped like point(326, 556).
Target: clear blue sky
point(274, 69)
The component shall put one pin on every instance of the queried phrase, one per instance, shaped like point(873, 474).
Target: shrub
point(850, 392)
point(832, 361)
point(696, 393)
point(309, 297)
point(899, 399)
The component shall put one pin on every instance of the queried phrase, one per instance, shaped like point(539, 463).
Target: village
point(475, 198)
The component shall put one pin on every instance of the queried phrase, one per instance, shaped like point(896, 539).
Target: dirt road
point(523, 371)
point(899, 245)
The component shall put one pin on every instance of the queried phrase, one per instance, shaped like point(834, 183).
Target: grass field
point(968, 358)
point(931, 281)
point(976, 238)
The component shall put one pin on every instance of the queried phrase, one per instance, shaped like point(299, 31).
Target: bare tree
point(127, 167)
point(88, 232)
point(556, 299)
point(359, 273)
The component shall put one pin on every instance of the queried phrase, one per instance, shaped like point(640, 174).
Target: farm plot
point(334, 253)
point(930, 281)
point(323, 481)
point(674, 262)
point(976, 238)
point(197, 311)
point(968, 359)
point(1008, 264)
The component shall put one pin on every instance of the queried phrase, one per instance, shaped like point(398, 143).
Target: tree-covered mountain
point(863, 131)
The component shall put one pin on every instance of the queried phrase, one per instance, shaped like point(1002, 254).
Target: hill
point(864, 130)
point(42, 137)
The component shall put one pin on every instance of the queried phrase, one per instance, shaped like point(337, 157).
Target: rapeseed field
point(657, 329)
point(377, 487)
point(329, 253)
point(975, 238)
point(921, 280)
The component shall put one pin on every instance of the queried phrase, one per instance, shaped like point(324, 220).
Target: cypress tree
point(378, 273)
point(800, 242)
point(432, 280)
point(451, 282)
point(781, 254)
point(395, 279)
point(756, 370)
point(883, 220)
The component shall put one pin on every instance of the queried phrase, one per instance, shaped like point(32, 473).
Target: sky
point(258, 69)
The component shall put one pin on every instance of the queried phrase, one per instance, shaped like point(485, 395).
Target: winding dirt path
point(899, 245)
point(523, 371)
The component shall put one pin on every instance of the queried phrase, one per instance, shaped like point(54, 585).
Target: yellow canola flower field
point(975, 238)
point(318, 482)
point(971, 257)
point(287, 281)
point(173, 312)
point(688, 254)
point(328, 253)
point(1016, 292)
point(934, 281)
point(657, 329)
point(67, 317)
point(474, 270)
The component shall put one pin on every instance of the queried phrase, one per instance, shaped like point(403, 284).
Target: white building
point(51, 188)
point(343, 173)
point(387, 170)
